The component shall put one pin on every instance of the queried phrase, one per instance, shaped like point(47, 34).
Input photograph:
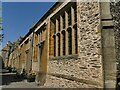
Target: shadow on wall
point(8, 78)
point(1, 63)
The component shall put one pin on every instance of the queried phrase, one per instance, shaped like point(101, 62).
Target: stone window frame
point(54, 45)
point(42, 33)
point(54, 26)
point(59, 23)
point(69, 30)
point(63, 21)
point(69, 17)
point(75, 13)
point(59, 18)
point(41, 37)
point(58, 36)
point(64, 42)
point(76, 38)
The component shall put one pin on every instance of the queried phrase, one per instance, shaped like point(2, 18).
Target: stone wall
point(115, 10)
point(55, 82)
point(86, 68)
point(75, 71)
point(35, 66)
point(108, 46)
point(90, 38)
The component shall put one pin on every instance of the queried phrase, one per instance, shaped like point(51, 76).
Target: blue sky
point(18, 17)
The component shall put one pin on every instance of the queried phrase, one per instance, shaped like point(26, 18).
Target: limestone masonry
point(75, 45)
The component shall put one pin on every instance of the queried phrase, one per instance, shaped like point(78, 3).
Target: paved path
point(22, 84)
point(9, 80)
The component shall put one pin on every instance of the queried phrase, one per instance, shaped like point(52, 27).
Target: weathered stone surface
point(74, 68)
point(54, 82)
point(115, 10)
point(88, 65)
point(84, 70)
point(90, 39)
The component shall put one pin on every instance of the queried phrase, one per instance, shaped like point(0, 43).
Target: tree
point(1, 34)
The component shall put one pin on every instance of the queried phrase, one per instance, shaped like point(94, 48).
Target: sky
point(18, 18)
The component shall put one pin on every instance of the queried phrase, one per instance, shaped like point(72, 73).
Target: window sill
point(75, 56)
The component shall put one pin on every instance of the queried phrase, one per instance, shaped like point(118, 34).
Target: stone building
point(6, 51)
point(72, 45)
point(25, 52)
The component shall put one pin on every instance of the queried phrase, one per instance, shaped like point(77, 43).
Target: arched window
point(69, 17)
point(65, 31)
point(69, 40)
point(54, 26)
point(76, 43)
point(54, 45)
point(63, 20)
point(59, 24)
point(41, 36)
point(64, 43)
point(75, 13)
point(58, 44)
